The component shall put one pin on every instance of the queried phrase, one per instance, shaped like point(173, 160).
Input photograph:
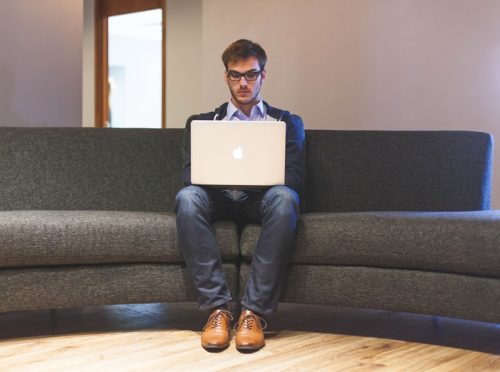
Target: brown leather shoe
point(215, 334)
point(250, 331)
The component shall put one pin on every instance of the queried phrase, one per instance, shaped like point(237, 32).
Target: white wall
point(364, 64)
point(41, 62)
point(184, 66)
point(88, 65)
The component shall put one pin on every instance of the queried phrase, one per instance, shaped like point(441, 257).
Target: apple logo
point(238, 153)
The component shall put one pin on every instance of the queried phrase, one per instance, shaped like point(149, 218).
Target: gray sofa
point(391, 220)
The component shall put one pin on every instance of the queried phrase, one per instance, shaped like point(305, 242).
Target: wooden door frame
point(103, 10)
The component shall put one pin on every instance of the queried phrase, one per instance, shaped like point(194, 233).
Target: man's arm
point(295, 164)
point(186, 152)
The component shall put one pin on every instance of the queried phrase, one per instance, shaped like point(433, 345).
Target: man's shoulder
point(284, 115)
point(278, 113)
point(275, 112)
point(202, 116)
point(218, 113)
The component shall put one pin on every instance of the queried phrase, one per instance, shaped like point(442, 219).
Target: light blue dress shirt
point(258, 113)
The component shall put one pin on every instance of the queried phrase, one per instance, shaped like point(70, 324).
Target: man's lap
point(246, 207)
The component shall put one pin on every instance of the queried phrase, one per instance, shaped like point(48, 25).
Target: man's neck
point(245, 108)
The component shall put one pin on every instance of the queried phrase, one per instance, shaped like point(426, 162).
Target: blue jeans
point(276, 208)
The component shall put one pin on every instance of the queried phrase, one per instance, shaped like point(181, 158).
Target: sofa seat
point(45, 238)
point(454, 242)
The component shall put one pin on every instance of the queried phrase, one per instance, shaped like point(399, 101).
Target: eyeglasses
point(249, 75)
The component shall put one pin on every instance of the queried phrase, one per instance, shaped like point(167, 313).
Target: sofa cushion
point(456, 242)
point(33, 238)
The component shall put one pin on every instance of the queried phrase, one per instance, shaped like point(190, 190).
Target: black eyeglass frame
point(249, 75)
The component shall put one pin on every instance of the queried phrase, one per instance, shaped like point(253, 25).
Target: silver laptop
point(238, 153)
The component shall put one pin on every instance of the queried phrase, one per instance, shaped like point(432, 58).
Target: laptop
point(238, 153)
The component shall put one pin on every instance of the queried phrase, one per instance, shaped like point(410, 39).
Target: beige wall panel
point(41, 62)
point(364, 64)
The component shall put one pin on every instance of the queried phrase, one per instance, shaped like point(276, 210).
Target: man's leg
point(279, 208)
point(196, 208)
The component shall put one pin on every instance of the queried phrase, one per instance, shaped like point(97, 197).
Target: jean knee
point(281, 199)
point(190, 199)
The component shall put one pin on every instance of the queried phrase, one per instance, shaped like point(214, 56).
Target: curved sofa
point(391, 220)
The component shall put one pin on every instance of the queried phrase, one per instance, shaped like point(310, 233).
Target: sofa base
point(53, 287)
point(430, 293)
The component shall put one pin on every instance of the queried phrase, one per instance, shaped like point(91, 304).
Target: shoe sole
point(214, 347)
point(249, 348)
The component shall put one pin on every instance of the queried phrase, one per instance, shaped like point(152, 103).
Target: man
point(276, 208)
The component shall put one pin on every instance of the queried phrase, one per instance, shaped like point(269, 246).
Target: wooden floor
point(167, 337)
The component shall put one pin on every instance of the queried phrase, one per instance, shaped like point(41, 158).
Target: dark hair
point(243, 49)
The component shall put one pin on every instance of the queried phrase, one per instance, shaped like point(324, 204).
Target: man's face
point(245, 92)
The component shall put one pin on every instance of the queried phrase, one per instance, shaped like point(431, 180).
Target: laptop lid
point(238, 153)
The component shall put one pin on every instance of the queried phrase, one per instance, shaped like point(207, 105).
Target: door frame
point(103, 10)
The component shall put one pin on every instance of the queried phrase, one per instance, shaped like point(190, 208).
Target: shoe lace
point(248, 322)
point(215, 319)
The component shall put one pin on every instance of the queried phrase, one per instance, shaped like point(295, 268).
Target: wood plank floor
point(300, 337)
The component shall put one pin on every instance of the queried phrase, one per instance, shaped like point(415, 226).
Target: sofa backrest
point(89, 168)
point(351, 171)
point(140, 169)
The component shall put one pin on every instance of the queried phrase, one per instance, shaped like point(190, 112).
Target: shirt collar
point(257, 112)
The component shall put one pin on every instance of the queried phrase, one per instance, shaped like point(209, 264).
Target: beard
point(245, 96)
